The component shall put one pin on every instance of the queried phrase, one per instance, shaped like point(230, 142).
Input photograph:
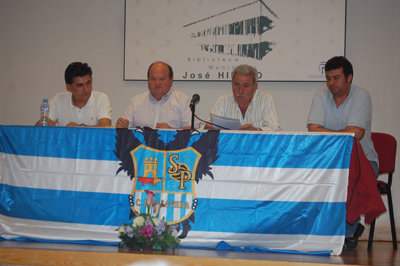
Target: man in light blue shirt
point(344, 107)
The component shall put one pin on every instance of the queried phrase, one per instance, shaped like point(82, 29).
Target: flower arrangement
point(147, 231)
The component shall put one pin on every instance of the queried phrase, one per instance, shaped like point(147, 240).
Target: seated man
point(344, 107)
point(161, 106)
point(255, 109)
point(79, 105)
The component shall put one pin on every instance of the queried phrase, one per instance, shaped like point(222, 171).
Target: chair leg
point(371, 234)
point(391, 215)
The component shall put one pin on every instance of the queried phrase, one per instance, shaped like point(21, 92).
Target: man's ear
point(68, 86)
point(350, 78)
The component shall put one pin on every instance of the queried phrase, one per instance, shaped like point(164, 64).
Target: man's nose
point(85, 87)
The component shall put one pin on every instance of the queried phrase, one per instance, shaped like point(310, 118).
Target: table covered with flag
point(280, 192)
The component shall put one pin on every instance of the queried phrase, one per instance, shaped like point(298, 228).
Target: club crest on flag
point(170, 169)
point(168, 174)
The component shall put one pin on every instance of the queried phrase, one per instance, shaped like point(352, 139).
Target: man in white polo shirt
point(79, 105)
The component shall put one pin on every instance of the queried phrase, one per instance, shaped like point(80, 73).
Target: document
point(224, 122)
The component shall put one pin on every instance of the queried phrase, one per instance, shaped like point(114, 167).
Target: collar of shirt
point(330, 95)
point(163, 99)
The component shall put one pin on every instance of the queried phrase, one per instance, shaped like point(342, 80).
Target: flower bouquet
point(147, 232)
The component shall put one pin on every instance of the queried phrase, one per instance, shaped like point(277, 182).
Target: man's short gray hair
point(246, 70)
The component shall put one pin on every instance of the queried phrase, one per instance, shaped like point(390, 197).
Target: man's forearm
point(358, 131)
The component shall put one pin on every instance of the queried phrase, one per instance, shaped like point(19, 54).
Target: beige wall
point(38, 39)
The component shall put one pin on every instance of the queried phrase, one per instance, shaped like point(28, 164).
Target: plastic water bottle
point(44, 113)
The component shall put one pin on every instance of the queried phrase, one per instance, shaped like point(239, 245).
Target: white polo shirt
point(63, 111)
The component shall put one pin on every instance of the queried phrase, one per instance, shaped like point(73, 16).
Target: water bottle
point(44, 113)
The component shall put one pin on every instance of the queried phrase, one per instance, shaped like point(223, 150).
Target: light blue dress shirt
point(356, 110)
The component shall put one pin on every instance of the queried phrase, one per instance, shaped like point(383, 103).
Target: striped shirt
point(260, 113)
point(145, 110)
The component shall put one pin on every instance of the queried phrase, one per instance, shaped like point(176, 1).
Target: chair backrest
point(385, 145)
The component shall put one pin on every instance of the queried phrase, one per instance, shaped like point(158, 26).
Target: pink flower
point(157, 209)
point(150, 196)
point(147, 231)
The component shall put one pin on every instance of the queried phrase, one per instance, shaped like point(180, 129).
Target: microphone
point(195, 99)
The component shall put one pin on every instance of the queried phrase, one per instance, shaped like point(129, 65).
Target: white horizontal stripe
point(245, 183)
point(64, 174)
point(13, 227)
point(278, 184)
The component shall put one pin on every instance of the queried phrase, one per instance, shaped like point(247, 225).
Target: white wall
point(38, 39)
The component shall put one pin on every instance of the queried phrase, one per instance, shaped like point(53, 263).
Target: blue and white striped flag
point(273, 191)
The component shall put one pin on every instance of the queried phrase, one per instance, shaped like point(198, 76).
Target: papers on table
point(224, 122)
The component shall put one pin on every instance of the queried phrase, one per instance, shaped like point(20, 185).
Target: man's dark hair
point(171, 73)
point(339, 62)
point(76, 69)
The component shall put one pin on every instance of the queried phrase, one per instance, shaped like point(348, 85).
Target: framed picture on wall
point(203, 40)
